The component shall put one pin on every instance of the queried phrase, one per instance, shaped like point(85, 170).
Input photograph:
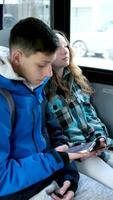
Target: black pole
point(60, 16)
point(1, 16)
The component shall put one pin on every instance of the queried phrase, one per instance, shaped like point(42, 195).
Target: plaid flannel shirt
point(76, 114)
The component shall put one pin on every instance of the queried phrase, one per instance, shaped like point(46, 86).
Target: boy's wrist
point(65, 157)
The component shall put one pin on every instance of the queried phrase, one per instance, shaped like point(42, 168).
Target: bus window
point(91, 32)
point(14, 10)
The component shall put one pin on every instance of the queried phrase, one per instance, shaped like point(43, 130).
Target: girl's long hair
point(80, 79)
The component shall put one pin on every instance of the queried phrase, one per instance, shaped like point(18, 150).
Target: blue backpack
point(6, 94)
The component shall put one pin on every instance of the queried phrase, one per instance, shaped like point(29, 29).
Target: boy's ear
point(16, 56)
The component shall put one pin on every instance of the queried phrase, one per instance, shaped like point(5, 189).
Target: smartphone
point(82, 148)
point(88, 147)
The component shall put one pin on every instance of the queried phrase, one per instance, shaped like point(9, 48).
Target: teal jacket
point(76, 114)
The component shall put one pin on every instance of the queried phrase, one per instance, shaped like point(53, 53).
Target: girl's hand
point(102, 142)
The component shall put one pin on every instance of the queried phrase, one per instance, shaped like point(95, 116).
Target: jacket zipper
point(33, 131)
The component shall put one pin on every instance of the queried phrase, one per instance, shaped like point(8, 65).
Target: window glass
point(91, 32)
point(14, 10)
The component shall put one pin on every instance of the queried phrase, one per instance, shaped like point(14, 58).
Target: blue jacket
point(24, 159)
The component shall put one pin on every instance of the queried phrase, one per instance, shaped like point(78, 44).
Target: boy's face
point(33, 68)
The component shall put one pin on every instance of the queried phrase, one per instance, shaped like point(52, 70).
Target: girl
point(68, 94)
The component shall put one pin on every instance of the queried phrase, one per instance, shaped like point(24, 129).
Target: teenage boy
point(27, 165)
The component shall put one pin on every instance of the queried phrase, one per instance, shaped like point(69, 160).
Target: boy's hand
point(62, 194)
point(62, 148)
point(74, 156)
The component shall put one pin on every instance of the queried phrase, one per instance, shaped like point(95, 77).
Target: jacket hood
point(6, 69)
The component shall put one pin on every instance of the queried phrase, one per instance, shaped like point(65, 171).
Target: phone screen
point(82, 148)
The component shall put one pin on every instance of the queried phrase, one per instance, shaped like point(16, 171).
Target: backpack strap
point(6, 94)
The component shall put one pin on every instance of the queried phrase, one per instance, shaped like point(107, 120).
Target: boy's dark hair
point(33, 35)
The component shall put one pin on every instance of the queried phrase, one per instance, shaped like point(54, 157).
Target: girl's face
point(62, 55)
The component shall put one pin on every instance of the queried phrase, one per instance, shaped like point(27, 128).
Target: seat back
point(4, 37)
point(103, 102)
